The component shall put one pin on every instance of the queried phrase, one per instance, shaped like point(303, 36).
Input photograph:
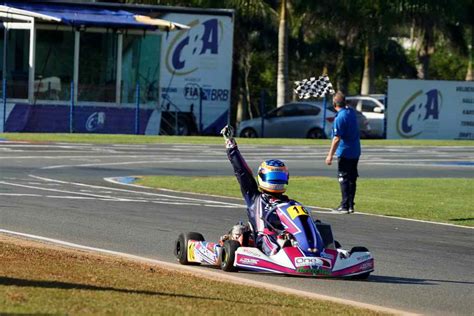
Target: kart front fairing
point(289, 260)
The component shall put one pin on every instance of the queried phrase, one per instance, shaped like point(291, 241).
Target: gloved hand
point(228, 133)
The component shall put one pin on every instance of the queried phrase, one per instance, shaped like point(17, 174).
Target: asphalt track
point(58, 191)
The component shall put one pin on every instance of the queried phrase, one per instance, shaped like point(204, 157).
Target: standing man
point(346, 145)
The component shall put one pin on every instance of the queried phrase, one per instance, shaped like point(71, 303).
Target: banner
point(196, 68)
point(429, 109)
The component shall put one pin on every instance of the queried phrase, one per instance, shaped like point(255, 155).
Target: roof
point(87, 16)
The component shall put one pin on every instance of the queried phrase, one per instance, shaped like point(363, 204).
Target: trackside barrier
point(87, 108)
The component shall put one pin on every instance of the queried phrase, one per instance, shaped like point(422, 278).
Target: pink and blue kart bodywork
point(309, 250)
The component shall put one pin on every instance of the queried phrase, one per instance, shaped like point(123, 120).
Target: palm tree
point(430, 20)
point(378, 23)
point(282, 72)
point(253, 19)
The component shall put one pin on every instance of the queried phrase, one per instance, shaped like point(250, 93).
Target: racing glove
point(228, 133)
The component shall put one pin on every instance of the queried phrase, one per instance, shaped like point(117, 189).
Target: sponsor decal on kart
point(248, 261)
point(308, 261)
point(252, 252)
point(316, 271)
point(191, 247)
point(312, 262)
point(205, 251)
point(357, 268)
point(367, 265)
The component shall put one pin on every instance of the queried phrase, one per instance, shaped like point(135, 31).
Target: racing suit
point(258, 203)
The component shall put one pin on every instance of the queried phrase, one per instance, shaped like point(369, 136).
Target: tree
point(430, 20)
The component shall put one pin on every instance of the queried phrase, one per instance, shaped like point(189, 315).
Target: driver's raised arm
point(248, 184)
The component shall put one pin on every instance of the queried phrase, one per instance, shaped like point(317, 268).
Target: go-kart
point(307, 248)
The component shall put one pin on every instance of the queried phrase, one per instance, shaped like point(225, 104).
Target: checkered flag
point(314, 88)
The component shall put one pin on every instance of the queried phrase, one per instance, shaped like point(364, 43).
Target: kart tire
point(227, 256)
point(362, 276)
point(359, 249)
point(181, 246)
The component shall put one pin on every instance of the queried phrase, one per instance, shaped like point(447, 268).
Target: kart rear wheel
point(181, 246)
point(362, 276)
point(227, 256)
point(359, 249)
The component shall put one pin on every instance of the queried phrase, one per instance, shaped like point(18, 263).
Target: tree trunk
point(469, 73)
point(425, 50)
point(423, 66)
point(242, 105)
point(282, 72)
point(341, 71)
point(368, 76)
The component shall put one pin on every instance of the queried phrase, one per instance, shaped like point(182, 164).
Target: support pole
point(77, 37)
point(4, 79)
point(325, 101)
point(31, 63)
point(200, 110)
point(137, 109)
point(262, 113)
point(71, 110)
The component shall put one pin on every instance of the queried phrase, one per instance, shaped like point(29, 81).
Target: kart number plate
point(296, 210)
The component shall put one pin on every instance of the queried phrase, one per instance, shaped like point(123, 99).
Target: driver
point(262, 195)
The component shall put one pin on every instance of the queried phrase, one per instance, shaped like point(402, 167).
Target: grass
point(445, 200)
point(37, 278)
point(212, 140)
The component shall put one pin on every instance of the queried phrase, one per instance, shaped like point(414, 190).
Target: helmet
point(273, 176)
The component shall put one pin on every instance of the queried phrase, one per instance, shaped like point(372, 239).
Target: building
point(110, 68)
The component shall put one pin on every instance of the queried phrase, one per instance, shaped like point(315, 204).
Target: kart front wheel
point(181, 246)
point(227, 256)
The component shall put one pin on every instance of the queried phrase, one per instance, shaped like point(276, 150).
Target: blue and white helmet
point(272, 176)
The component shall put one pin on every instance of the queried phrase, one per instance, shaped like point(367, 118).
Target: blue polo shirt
point(346, 127)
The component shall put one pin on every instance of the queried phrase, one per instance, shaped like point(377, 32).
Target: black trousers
point(347, 175)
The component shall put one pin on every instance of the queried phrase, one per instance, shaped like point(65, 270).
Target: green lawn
point(445, 200)
point(42, 279)
point(210, 140)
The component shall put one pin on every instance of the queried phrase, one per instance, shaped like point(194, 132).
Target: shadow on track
point(399, 280)
point(77, 286)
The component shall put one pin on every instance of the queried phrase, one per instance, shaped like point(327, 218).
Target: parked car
point(374, 109)
point(297, 120)
point(365, 129)
point(292, 120)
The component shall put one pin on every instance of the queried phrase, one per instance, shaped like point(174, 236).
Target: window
point(54, 64)
point(307, 109)
point(17, 66)
point(97, 67)
point(287, 110)
point(368, 106)
point(140, 64)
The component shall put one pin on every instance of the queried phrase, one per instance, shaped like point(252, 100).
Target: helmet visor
point(275, 177)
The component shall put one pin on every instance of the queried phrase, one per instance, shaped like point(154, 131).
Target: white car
point(292, 120)
point(374, 109)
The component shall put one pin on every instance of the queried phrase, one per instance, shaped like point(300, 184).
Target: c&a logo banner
point(186, 51)
point(430, 109)
point(420, 111)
